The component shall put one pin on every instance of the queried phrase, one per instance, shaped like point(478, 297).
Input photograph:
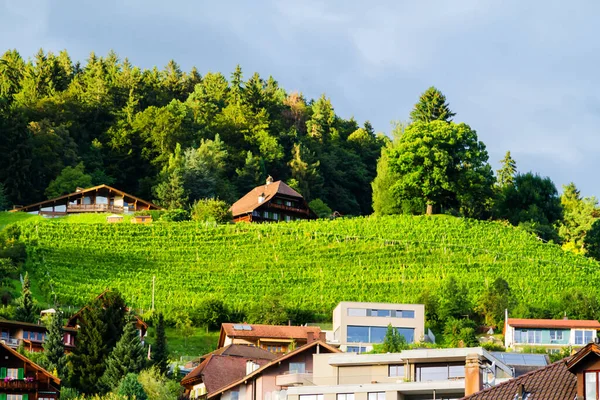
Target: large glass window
point(356, 349)
point(311, 397)
point(439, 372)
point(357, 312)
point(556, 335)
point(405, 313)
point(408, 333)
point(345, 396)
point(377, 396)
point(298, 368)
point(396, 371)
point(584, 337)
point(357, 334)
point(532, 336)
point(591, 385)
point(377, 334)
point(380, 313)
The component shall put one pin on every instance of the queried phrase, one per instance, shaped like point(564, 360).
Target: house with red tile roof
point(552, 334)
point(272, 202)
point(574, 378)
point(273, 338)
point(21, 378)
point(222, 367)
point(271, 381)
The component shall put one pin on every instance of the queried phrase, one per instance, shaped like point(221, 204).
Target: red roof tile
point(271, 331)
point(249, 202)
point(553, 382)
point(553, 323)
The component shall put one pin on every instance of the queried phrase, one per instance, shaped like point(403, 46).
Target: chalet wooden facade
point(97, 199)
point(31, 336)
point(22, 379)
point(272, 202)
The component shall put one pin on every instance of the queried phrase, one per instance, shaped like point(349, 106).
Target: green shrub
point(176, 215)
point(212, 211)
point(131, 388)
point(320, 208)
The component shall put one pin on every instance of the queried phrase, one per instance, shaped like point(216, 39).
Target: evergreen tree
point(507, 172)
point(131, 388)
point(26, 311)
point(160, 353)
point(393, 342)
point(4, 201)
point(171, 193)
point(88, 358)
point(592, 241)
point(432, 106)
point(54, 346)
point(128, 356)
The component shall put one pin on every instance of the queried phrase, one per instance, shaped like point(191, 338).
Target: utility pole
point(153, 279)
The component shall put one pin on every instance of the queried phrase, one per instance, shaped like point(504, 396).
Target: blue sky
point(523, 74)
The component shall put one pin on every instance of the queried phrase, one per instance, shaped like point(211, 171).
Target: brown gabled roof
point(31, 325)
point(276, 361)
point(249, 202)
point(591, 349)
point(553, 323)
point(553, 382)
point(31, 363)
point(268, 331)
point(110, 188)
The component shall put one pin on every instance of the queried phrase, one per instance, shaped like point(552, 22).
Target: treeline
point(172, 136)
point(434, 165)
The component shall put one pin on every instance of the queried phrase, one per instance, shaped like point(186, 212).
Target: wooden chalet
point(31, 336)
point(272, 202)
point(22, 379)
point(97, 199)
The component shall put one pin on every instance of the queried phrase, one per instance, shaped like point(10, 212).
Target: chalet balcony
point(288, 208)
point(11, 341)
point(73, 208)
point(293, 379)
point(19, 385)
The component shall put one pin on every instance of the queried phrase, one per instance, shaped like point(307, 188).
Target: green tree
point(531, 201)
point(70, 178)
point(128, 356)
point(4, 201)
point(211, 211)
point(591, 242)
point(507, 171)
point(460, 333)
point(320, 208)
point(393, 342)
point(160, 353)
point(305, 172)
point(54, 346)
point(131, 388)
point(170, 192)
point(453, 300)
point(444, 165)
point(184, 327)
point(494, 301)
point(270, 311)
point(26, 310)
point(211, 313)
point(579, 215)
point(432, 106)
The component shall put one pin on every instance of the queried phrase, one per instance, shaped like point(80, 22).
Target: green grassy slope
point(311, 265)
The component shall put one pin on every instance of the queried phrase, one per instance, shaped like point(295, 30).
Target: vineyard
point(311, 265)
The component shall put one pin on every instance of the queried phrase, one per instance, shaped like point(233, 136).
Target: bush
point(176, 215)
point(491, 346)
point(212, 211)
point(212, 313)
point(131, 388)
point(320, 208)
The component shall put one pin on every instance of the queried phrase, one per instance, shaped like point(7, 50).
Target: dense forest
point(148, 131)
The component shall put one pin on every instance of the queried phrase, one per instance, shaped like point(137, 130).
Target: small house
point(22, 379)
point(273, 338)
point(272, 202)
point(114, 218)
point(141, 219)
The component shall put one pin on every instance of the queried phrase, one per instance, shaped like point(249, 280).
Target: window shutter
point(20, 373)
point(2, 374)
point(25, 397)
point(2, 396)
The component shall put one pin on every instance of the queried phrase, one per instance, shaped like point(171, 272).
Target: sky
point(523, 74)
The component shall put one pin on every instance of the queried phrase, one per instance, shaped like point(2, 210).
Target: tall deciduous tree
point(54, 346)
point(507, 171)
point(494, 301)
point(128, 356)
point(69, 179)
point(592, 241)
point(160, 353)
point(579, 215)
point(444, 165)
point(432, 106)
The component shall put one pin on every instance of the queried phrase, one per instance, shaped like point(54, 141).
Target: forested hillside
point(108, 121)
point(310, 266)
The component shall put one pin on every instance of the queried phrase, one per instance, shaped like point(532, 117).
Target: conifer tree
point(126, 357)
point(87, 360)
point(26, 309)
point(432, 106)
point(54, 346)
point(506, 174)
point(160, 353)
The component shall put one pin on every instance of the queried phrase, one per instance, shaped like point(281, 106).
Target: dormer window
point(591, 385)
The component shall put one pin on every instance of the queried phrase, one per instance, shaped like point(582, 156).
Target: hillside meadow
point(309, 265)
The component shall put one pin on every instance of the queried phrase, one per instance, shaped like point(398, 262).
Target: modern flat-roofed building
point(358, 325)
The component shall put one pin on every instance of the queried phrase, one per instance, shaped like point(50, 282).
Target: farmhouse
point(274, 201)
point(97, 199)
point(21, 379)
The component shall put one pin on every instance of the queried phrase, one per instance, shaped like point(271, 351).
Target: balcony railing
point(18, 384)
point(94, 207)
point(293, 378)
point(10, 341)
point(288, 208)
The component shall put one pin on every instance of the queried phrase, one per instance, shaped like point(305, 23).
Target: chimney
point(310, 337)
point(269, 180)
point(521, 393)
point(261, 198)
point(473, 375)
point(565, 316)
point(323, 336)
